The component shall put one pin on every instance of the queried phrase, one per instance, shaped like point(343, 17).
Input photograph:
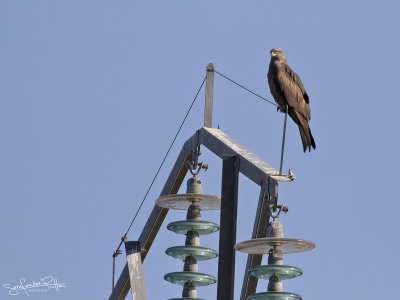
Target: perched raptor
point(287, 89)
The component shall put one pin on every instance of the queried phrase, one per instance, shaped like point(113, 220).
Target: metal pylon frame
point(249, 164)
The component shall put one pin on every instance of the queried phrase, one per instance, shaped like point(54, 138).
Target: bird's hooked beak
point(273, 53)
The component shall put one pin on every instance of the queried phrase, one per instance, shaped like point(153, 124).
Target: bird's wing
point(293, 90)
point(298, 82)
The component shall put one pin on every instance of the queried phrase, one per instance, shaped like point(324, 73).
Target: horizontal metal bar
point(251, 165)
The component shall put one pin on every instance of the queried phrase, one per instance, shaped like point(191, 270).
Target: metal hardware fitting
point(274, 207)
point(194, 163)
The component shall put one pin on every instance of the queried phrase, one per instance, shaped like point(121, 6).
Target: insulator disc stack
point(275, 245)
point(194, 201)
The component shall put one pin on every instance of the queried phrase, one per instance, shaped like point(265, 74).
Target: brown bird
point(287, 89)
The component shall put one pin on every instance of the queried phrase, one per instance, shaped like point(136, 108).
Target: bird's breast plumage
point(274, 82)
point(287, 88)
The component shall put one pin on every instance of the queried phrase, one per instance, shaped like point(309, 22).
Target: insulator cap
point(189, 290)
point(192, 238)
point(194, 186)
point(275, 229)
point(193, 213)
point(191, 264)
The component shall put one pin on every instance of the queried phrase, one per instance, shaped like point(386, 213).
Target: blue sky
point(92, 93)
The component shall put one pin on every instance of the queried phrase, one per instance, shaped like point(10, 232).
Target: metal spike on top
point(194, 201)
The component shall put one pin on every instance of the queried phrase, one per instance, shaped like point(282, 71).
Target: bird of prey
point(287, 89)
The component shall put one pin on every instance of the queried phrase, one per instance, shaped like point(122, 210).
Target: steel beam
point(227, 234)
point(268, 195)
point(251, 165)
point(134, 262)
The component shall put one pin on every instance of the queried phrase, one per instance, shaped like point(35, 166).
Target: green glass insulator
point(281, 271)
point(202, 227)
point(274, 296)
point(198, 279)
point(200, 253)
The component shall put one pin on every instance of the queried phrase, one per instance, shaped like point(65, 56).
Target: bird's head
point(278, 54)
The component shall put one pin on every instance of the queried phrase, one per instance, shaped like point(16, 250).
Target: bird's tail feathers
point(312, 139)
point(303, 138)
point(305, 133)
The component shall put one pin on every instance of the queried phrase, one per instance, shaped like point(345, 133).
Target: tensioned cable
point(162, 163)
point(245, 88)
point(259, 96)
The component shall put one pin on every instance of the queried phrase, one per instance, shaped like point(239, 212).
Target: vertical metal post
point(208, 108)
point(268, 195)
point(133, 256)
point(115, 255)
point(113, 274)
point(227, 234)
